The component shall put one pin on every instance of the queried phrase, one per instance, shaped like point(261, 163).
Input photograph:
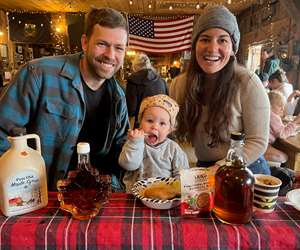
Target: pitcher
point(23, 182)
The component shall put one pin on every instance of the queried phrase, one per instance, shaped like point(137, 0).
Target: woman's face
point(274, 84)
point(213, 50)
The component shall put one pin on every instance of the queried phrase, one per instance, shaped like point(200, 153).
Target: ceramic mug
point(266, 189)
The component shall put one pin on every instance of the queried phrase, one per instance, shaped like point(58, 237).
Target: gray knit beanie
point(218, 17)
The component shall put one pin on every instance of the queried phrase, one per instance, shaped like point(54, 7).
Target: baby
point(277, 128)
point(148, 152)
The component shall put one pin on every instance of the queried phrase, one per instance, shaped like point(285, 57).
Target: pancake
point(162, 191)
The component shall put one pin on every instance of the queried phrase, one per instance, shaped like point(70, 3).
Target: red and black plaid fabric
point(125, 223)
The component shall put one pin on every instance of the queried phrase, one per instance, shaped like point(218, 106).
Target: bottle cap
point(18, 131)
point(237, 136)
point(83, 148)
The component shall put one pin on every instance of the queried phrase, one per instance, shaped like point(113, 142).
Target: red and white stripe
point(170, 36)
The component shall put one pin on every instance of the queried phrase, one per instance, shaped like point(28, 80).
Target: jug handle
point(37, 141)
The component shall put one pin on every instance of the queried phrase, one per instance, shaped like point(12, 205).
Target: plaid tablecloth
point(125, 223)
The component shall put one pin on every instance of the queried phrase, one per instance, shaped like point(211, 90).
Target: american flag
point(160, 36)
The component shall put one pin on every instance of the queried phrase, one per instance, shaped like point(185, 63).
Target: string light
point(198, 6)
point(229, 1)
point(170, 8)
point(130, 2)
point(149, 6)
point(130, 53)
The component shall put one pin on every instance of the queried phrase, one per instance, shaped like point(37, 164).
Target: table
point(125, 223)
point(291, 146)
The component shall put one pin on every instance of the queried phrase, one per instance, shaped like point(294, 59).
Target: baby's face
point(156, 124)
point(278, 108)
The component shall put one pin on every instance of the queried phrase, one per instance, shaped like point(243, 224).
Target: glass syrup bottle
point(85, 190)
point(234, 186)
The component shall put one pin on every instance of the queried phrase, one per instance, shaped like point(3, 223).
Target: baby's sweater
point(279, 130)
point(143, 161)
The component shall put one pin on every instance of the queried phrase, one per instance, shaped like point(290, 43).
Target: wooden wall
point(272, 24)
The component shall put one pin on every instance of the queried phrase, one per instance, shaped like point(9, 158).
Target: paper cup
point(266, 189)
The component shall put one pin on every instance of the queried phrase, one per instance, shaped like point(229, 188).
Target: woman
point(217, 96)
point(278, 81)
point(143, 82)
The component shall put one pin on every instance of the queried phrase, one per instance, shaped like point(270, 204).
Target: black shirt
point(95, 122)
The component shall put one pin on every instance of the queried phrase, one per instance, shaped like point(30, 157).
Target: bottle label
point(196, 191)
point(23, 191)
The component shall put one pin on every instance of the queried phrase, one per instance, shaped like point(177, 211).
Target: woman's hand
point(295, 93)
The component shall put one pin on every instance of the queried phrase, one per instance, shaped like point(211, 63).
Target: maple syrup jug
point(23, 182)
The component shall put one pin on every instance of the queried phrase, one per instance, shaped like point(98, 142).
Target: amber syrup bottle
point(85, 190)
point(234, 186)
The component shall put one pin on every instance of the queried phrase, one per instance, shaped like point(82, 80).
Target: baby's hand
point(135, 133)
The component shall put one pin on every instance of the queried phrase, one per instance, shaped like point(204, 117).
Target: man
point(67, 99)
point(270, 62)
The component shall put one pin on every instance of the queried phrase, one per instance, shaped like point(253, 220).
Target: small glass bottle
point(85, 190)
point(234, 186)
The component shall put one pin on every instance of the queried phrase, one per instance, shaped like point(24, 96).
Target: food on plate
point(162, 190)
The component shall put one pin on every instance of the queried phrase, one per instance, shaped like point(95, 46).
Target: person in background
point(183, 69)
point(277, 128)
point(1, 74)
point(269, 61)
point(278, 81)
point(143, 82)
point(293, 104)
point(148, 152)
point(264, 79)
point(217, 96)
point(72, 98)
point(173, 72)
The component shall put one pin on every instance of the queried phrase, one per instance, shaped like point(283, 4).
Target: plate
point(288, 118)
point(293, 197)
point(139, 186)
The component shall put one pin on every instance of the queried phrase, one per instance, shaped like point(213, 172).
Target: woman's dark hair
point(219, 105)
point(105, 17)
point(280, 75)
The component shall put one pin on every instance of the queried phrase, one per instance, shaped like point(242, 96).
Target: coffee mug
point(266, 189)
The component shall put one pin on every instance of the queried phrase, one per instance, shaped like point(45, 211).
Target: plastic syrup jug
point(23, 182)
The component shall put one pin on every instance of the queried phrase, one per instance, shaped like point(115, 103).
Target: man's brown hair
point(105, 17)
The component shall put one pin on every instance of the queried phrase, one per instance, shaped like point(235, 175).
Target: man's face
point(264, 55)
point(104, 51)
